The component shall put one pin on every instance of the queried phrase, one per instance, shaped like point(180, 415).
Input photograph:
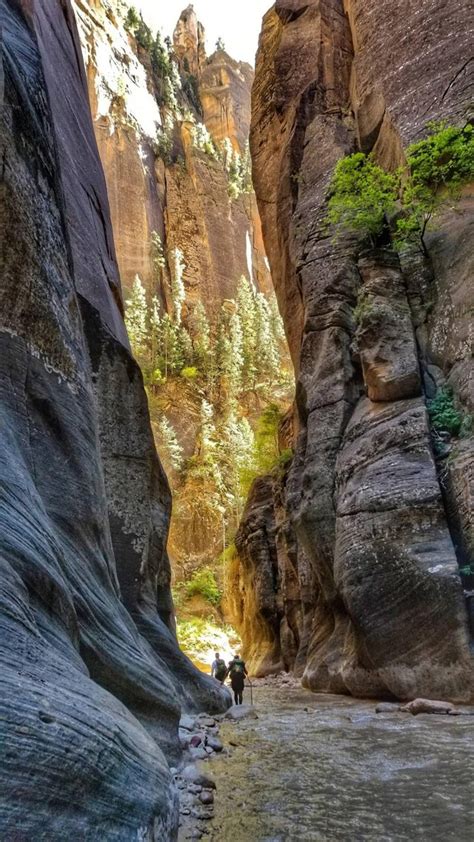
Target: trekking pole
point(251, 692)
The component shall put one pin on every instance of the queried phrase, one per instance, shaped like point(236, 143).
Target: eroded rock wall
point(92, 678)
point(383, 527)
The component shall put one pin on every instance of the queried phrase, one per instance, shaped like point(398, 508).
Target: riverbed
point(328, 768)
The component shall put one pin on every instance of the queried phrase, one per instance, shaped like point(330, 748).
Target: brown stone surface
point(382, 526)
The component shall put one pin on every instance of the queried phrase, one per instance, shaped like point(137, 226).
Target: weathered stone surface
point(93, 680)
point(383, 527)
point(427, 706)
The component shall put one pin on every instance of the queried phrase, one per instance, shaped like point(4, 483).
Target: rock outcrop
point(92, 677)
point(383, 525)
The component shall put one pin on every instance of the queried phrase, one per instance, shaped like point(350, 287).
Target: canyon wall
point(357, 549)
point(93, 681)
point(176, 189)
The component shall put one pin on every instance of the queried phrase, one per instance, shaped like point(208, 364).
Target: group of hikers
point(236, 670)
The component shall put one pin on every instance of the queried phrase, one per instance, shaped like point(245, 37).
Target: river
point(328, 768)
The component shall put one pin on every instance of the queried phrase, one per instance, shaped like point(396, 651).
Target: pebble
point(207, 796)
point(187, 722)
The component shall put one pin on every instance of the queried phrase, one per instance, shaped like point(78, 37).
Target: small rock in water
point(207, 797)
point(428, 706)
point(187, 722)
point(196, 740)
point(193, 775)
point(237, 712)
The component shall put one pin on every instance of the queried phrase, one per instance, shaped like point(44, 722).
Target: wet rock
point(207, 796)
point(428, 706)
point(192, 774)
point(214, 743)
point(238, 712)
point(205, 721)
point(198, 753)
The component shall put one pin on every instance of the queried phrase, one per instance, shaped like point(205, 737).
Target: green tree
point(362, 196)
point(247, 310)
point(143, 35)
point(438, 166)
point(132, 20)
point(157, 256)
point(267, 359)
point(136, 319)
point(178, 291)
point(169, 446)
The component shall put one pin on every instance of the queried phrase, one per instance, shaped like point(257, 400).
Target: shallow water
point(339, 771)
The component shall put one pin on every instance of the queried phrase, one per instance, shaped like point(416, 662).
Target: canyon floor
point(327, 768)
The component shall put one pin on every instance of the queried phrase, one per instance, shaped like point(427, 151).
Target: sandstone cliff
point(159, 178)
point(378, 526)
point(93, 680)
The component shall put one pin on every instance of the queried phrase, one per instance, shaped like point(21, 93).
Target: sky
point(237, 22)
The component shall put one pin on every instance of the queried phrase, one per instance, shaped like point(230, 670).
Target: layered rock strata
point(382, 523)
point(93, 680)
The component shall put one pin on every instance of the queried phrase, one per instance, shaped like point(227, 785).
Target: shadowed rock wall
point(381, 525)
point(92, 677)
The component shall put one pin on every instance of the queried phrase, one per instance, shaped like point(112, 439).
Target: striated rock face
point(92, 677)
point(380, 523)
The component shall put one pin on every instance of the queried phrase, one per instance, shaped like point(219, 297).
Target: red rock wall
point(383, 536)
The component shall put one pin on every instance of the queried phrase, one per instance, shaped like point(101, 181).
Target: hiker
point(238, 672)
point(219, 669)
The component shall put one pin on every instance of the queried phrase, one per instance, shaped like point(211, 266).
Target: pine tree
point(268, 356)
point(237, 356)
point(136, 319)
point(178, 291)
point(169, 446)
point(173, 357)
point(157, 256)
point(247, 310)
point(155, 332)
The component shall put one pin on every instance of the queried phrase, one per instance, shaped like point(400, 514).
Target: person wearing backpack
point(219, 669)
point(238, 672)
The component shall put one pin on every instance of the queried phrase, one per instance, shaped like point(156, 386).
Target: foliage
point(169, 447)
point(265, 451)
point(363, 306)
point(132, 20)
point(203, 583)
point(178, 292)
point(362, 195)
point(363, 198)
point(136, 317)
point(438, 166)
point(444, 415)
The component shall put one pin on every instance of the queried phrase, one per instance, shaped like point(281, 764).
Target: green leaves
point(365, 200)
point(362, 195)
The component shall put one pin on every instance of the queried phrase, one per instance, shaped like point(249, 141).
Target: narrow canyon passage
point(320, 768)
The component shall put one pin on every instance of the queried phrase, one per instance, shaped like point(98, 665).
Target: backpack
point(221, 670)
point(237, 667)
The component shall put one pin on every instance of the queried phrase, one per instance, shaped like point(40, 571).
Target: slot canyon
point(237, 414)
